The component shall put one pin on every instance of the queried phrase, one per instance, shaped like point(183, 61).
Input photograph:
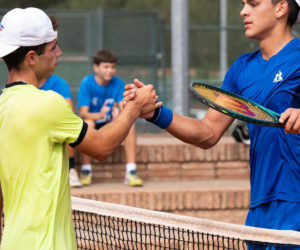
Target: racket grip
point(162, 117)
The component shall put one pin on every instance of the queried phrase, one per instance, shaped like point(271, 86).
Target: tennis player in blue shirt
point(269, 76)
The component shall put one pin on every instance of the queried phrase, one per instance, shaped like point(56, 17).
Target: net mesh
point(102, 225)
point(233, 103)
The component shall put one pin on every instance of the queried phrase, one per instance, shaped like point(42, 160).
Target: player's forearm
point(116, 132)
point(192, 131)
point(203, 133)
point(101, 143)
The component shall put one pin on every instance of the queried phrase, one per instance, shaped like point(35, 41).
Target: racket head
point(234, 105)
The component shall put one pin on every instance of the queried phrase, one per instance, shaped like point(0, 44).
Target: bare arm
point(101, 143)
point(203, 133)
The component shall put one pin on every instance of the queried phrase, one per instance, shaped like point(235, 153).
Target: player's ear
point(31, 57)
point(282, 9)
point(95, 67)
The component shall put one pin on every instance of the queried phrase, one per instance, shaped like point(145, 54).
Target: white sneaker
point(74, 179)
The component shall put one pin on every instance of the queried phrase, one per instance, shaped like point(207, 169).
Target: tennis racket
point(234, 105)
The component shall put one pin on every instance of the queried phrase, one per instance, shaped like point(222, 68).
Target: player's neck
point(271, 45)
point(100, 80)
point(42, 82)
point(20, 76)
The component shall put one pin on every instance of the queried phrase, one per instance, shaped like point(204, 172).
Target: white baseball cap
point(24, 27)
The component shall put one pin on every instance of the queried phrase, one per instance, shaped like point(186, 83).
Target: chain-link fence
point(205, 54)
point(133, 36)
point(141, 40)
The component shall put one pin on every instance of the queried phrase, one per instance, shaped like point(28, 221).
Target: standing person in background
point(100, 101)
point(270, 77)
point(60, 86)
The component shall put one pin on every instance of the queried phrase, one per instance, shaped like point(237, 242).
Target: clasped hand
point(146, 94)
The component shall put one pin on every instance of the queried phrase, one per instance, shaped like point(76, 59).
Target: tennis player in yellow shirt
point(35, 127)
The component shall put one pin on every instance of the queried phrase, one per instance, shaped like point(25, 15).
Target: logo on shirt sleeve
point(278, 77)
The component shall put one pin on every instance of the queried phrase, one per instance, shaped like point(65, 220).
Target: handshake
point(141, 98)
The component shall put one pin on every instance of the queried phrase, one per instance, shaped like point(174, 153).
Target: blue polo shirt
point(274, 155)
point(94, 95)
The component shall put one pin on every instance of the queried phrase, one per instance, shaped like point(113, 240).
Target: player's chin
point(253, 36)
point(248, 35)
point(108, 78)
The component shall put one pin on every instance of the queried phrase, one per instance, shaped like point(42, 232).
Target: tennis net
point(101, 225)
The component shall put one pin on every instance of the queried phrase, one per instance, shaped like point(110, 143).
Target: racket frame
point(232, 113)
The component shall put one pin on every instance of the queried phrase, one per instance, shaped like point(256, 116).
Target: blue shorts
point(277, 214)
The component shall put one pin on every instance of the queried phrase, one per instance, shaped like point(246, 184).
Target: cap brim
point(7, 49)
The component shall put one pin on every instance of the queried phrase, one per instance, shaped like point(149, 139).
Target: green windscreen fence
point(132, 36)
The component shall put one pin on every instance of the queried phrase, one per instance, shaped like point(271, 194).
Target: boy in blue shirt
point(100, 101)
point(269, 76)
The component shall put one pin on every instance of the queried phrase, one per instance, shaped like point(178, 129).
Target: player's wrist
point(131, 109)
point(162, 117)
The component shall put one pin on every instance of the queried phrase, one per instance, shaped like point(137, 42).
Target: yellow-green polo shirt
point(35, 126)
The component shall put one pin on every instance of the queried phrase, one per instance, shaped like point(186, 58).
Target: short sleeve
point(232, 76)
point(229, 82)
point(63, 125)
point(83, 95)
